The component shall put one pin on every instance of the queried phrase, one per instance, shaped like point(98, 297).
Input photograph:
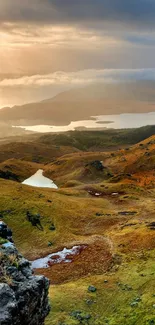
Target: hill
point(33, 151)
point(133, 165)
point(45, 148)
point(80, 104)
point(132, 90)
point(18, 170)
point(98, 140)
point(108, 213)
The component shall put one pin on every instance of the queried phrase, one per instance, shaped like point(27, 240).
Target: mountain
point(82, 103)
point(135, 90)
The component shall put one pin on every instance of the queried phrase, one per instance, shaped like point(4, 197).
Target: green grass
point(112, 302)
point(118, 248)
point(89, 140)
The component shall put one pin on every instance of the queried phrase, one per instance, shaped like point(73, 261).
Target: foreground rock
point(5, 232)
point(23, 296)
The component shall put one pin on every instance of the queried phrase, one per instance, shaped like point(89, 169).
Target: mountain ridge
point(82, 103)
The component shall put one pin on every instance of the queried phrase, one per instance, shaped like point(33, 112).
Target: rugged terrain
point(23, 296)
point(105, 204)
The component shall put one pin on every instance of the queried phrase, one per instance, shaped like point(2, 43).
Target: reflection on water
point(103, 121)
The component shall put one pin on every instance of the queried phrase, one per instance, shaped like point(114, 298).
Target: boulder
point(23, 296)
point(5, 232)
point(97, 164)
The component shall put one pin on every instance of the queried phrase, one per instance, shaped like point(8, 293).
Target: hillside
point(105, 207)
point(18, 170)
point(81, 104)
point(131, 90)
point(132, 165)
point(66, 157)
point(33, 151)
point(98, 140)
point(45, 148)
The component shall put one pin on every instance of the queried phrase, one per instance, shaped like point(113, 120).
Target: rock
point(79, 315)
point(127, 213)
point(134, 304)
point(52, 227)
point(87, 316)
point(129, 288)
point(50, 244)
point(99, 214)
point(8, 303)
point(151, 225)
point(23, 296)
point(89, 302)
point(138, 299)
point(7, 245)
point(97, 164)
point(92, 289)
point(41, 196)
point(5, 232)
point(34, 219)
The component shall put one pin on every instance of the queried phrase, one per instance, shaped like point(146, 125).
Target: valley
point(104, 205)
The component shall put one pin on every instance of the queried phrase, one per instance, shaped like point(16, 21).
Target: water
point(124, 121)
point(8, 245)
point(55, 258)
point(38, 180)
point(103, 121)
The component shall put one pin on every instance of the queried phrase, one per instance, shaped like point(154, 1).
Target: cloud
point(16, 35)
point(137, 12)
point(80, 78)
point(42, 36)
point(22, 90)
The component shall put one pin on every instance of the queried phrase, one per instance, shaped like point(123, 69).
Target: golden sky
point(48, 45)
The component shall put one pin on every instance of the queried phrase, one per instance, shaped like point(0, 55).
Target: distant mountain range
point(82, 103)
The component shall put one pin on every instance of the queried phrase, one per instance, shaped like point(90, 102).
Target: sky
point(47, 46)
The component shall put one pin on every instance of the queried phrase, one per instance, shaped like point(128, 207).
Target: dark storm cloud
point(137, 12)
point(132, 10)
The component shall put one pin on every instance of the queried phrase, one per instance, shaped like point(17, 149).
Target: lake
point(121, 121)
point(38, 180)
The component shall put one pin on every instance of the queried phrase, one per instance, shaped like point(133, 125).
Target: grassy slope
point(74, 215)
point(33, 151)
point(19, 169)
point(119, 248)
point(48, 147)
point(131, 165)
point(98, 140)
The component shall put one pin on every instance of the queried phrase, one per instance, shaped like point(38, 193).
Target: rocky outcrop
point(97, 164)
point(5, 232)
point(23, 296)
